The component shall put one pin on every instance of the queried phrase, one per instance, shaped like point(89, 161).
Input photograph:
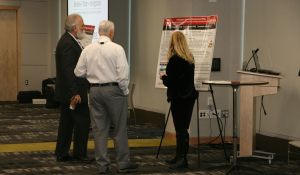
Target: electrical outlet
point(213, 113)
point(209, 101)
point(225, 114)
point(203, 114)
point(26, 82)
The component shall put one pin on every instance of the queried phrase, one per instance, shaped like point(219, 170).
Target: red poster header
point(198, 20)
point(89, 28)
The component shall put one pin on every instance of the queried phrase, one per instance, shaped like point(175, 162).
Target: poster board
point(89, 31)
point(200, 33)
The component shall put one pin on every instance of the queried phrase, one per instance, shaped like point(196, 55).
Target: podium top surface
point(260, 74)
point(237, 83)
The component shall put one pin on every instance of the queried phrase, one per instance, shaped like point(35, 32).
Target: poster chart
point(89, 31)
point(92, 12)
point(200, 33)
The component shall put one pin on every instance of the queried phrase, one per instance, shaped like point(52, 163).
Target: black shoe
point(83, 159)
point(64, 159)
point(172, 161)
point(133, 167)
point(181, 163)
point(103, 171)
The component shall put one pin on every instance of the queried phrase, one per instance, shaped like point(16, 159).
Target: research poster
point(200, 33)
point(92, 12)
point(89, 31)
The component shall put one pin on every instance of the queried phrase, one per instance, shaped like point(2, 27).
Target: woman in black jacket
point(179, 79)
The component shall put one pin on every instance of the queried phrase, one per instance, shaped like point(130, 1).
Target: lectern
point(247, 108)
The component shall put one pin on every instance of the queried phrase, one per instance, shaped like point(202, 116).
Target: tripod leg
point(163, 133)
point(198, 132)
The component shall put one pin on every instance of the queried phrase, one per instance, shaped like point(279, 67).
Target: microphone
point(251, 57)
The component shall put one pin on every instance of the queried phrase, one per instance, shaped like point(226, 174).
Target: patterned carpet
point(27, 123)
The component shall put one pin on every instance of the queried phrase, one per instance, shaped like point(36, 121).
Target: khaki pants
point(109, 104)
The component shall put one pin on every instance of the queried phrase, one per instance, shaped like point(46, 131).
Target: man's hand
point(76, 99)
point(161, 75)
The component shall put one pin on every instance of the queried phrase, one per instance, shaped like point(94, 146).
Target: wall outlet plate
point(225, 114)
point(209, 101)
point(203, 114)
point(213, 113)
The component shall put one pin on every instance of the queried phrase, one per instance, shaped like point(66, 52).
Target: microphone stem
point(251, 58)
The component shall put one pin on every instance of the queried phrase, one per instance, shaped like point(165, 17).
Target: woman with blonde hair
point(179, 79)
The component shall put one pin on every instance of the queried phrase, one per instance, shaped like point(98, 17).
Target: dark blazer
point(180, 79)
point(67, 84)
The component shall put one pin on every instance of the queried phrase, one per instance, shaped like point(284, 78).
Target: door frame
point(19, 43)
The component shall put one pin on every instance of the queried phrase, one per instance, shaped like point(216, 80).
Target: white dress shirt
point(104, 62)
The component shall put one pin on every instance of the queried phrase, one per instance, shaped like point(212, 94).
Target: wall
point(42, 26)
point(118, 13)
point(38, 32)
point(54, 33)
point(227, 47)
point(145, 41)
point(146, 29)
point(273, 26)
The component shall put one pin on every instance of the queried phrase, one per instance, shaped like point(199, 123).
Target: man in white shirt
point(104, 65)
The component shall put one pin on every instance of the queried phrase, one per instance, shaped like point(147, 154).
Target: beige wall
point(145, 42)
point(42, 24)
point(270, 25)
point(34, 44)
point(273, 26)
point(147, 19)
point(39, 28)
point(54, 33)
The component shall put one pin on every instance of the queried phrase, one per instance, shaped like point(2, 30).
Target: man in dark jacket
point(70, 88)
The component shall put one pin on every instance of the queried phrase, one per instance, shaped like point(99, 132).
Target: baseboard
point(268, 142)
point(149, 109)
point(280, 136)
point(275, 145)
point(194, 141)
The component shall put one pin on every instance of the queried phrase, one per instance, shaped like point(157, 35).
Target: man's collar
point(72, 35)
point(104, 38)
point(80, 45)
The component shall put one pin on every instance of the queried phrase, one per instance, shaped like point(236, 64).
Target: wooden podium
point(248, 107)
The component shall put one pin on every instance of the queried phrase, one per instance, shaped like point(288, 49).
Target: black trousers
point(182, 110)
point(77, 120)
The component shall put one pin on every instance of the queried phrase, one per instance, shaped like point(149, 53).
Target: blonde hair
point(178, 45)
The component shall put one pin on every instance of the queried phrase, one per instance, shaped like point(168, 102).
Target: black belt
point(105, 84)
